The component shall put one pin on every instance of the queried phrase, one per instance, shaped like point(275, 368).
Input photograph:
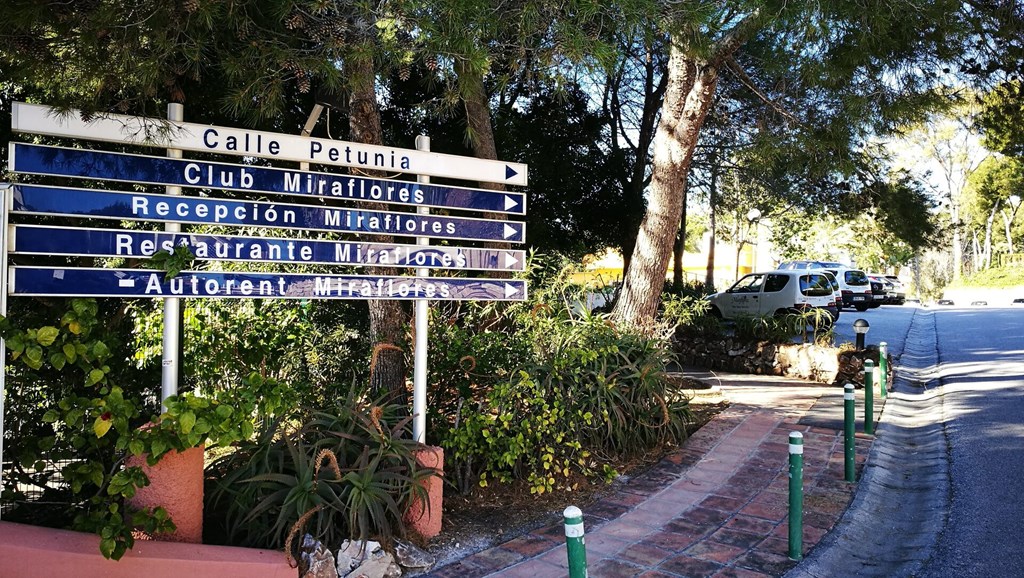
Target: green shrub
point(765, 328)
point(814, 325)
point(1003, 277)
point(690, 315)
point(593, 393)
point(345, 472)
point(693, 289)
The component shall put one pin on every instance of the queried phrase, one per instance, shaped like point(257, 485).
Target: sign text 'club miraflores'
point(102, 165)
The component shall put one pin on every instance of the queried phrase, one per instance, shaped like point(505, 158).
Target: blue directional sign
point(72, 282)
point(48, 240)
point(32, 199)
point(91, 164)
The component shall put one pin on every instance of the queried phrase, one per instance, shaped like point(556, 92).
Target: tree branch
point(744, 78)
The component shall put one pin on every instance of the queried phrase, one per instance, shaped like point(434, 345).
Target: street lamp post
point(860, 327)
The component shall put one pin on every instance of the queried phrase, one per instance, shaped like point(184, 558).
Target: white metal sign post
point(3, 311)
point(421, 320)
point(172, 305)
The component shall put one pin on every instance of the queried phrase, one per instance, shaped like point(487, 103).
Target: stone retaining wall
point(803, 361)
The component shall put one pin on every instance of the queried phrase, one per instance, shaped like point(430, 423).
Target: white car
point(856, 288)
point(775, 293)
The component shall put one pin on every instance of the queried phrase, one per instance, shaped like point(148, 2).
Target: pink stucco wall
point(34, 552)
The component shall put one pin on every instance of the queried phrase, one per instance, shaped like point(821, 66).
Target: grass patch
point(994, 278)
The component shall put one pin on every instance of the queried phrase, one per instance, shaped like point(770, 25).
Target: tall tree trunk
point(957, 249)
point(975, 252)
point(1007, 221)
point(481, 136)
point(988, 238)
point(709, 278)
point(387, 318)
point(691, 87)
point(678, 250)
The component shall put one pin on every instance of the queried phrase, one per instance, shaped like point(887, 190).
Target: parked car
point(880, 287)
point(1018, 302)
point(855, 286)
point(898, 294)
point(775, 293)
point(837, 292)
point(979, 303)
point(808, 264)
point(945, 302)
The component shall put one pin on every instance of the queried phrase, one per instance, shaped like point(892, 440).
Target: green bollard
point(849, 423)
point(574, 543)
point(869, 397)
point(883, 368)
point(796, 495)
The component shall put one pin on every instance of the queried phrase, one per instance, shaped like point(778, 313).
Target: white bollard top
point(798, 447)
point(572, 512)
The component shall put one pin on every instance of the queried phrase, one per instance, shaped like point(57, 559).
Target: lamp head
point(860, 326)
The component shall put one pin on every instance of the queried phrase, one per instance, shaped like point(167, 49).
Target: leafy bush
point(996, 277)
point(783, 328)
point(592, 392)
point(765, 328)
point(346, 472)
point(690, 315)
point(93, 426)
point(693, 289)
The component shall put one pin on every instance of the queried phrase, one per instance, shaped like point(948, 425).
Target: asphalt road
point(888, 323)
point(981, 364)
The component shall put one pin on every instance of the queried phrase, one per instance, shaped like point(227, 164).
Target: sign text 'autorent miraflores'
point(40, 119)
point(95, 282)
point(91, 164)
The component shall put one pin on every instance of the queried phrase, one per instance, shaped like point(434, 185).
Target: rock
point(315, 560)
point(409, 556)
point(377, 566)
point(358, 559)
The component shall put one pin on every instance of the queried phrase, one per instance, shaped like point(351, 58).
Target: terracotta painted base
point(424, 517)
point(176, 483)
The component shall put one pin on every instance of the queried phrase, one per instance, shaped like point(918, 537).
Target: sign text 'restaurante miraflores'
point(234, 141)
point(92, 164)
point(49, 240)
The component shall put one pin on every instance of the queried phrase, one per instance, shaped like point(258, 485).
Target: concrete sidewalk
point(715, 507)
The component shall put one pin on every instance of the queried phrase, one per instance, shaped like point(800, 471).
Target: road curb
point(891, 527)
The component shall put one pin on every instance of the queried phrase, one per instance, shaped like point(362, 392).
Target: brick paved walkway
point(716, 507)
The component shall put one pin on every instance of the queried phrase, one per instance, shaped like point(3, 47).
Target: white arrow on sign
point(510, 260)
point(510, 231)
point(510, 203)
point(119, 128)
point(510, 290)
